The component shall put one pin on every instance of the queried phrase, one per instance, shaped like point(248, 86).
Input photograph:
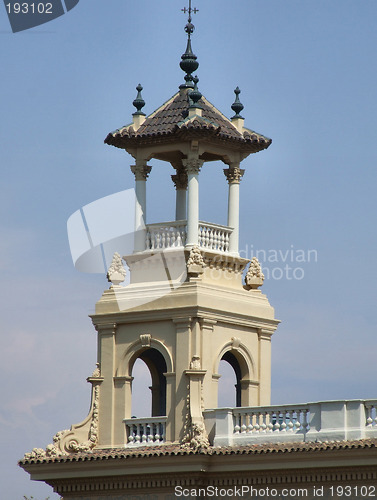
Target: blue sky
point(308, 78)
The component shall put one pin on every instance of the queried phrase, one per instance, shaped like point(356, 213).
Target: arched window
point(229, 392)
point(156, 364)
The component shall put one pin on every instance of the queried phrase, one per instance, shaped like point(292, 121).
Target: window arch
point(156, 364)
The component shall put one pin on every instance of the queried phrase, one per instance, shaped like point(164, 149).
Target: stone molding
point(278, 478)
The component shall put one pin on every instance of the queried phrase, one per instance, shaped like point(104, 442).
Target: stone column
point(233, 175)
point(180, 181)
point(193, 166)
point(106, 357)
point(122, 407)
point(141, 171)
point(264, 365)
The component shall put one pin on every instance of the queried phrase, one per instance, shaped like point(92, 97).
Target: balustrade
point(166, 235)
point(271, 419)
point(145, 431)
point(214, 237)
point(319, 421)
point(173, 235)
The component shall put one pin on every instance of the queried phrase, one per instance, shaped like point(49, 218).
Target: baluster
point(290, 420)
point(269, 419)
point(137, 437)
point(369, 422)
point(211, 239)
point(243, 426)
point(173, 238)
point(163, 240)
point(305, 422)
point(226, 244)
point(283, 427)
point(263, 424)
point(237, 427)
point(250, 424)
point(222, 241)
point(278, 420)
point(144, 433)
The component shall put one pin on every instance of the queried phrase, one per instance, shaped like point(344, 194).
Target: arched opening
point(141, 403)
point(156, 364)
point(230, 381)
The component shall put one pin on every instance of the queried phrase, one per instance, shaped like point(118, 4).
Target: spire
point(189, 62)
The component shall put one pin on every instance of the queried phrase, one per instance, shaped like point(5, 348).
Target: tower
point(186, 309)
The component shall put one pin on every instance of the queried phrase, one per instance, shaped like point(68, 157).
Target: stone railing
point(166, 235)
point(145, 431)
point(321, 421)
point(214, 237)
point(173, 234)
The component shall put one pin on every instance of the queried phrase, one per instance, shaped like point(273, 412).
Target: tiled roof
point(171, 121)
point(176, 449)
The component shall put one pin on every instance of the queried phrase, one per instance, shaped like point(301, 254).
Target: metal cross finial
point(190, 10)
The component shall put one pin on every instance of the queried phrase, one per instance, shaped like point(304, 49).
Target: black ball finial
point(139, 102)
point(237, 106)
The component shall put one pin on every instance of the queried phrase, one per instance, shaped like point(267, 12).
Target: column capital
point(192, 165)
point(141, 171)
point(180, 179)
point(234, 173)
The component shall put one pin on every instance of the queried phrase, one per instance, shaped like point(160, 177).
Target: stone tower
point(186, 307)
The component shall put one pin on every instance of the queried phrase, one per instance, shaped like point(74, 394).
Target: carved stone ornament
point(195, 363)
point(145, 339)
point(193, 165)
point(234, 174)
point(97, 371)
point(236, 342)
point(116, 273)
point(141, 171)
point(194, 433)
point(180, 179)
point(254, 277)
point(69, 441)
point(195, 263)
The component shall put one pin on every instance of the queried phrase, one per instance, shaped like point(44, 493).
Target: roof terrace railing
point(145, 431)
point(320, 421)
point(165, 235)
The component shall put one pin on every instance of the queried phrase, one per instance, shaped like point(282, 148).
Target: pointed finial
point(195, 94)
point(139, 102)
point(189, 62)
point(237, 106)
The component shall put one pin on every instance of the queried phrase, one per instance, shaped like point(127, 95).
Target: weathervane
point(189, 26)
